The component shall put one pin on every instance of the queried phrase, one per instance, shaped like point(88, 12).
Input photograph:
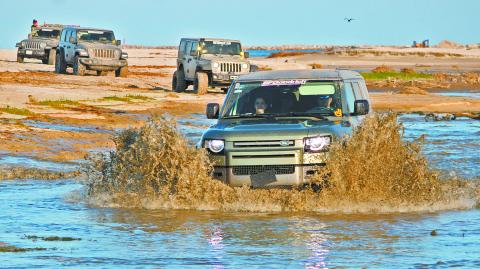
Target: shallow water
point(475, 95)
point(112, 238)
point(266, 53)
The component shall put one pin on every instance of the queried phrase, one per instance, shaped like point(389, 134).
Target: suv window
point(183, 46)
point(62, 37)
point(194, 47)
point(349, 96)
point(188, 46)
point(67, 37)
point(358, 91)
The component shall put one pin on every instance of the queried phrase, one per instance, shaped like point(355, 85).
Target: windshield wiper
point(250, 115)
point(302, 114)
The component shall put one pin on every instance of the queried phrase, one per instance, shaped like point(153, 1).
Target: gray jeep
point(209, 62)
point(90, 49)
point(41, 44)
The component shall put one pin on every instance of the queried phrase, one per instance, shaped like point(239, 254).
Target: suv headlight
point(124, 55)
point(214, 145)
point(244, 66)
point(23, 44)
point(215, 65)
point(82, 52)
point(317, 143)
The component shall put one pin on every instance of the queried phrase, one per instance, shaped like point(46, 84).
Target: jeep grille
point(245, 170)
point(104, 53)
point(231, 67)
point(32, 45)
point(268, 144)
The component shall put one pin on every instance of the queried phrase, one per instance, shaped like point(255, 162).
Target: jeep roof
point(51, 26)
point(327, 74)
point(87, 29)
point(211, 39)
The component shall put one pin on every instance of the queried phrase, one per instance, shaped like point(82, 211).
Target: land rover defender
point(90, 49)
point(208, 62)
point(275, 127)
point(41, 44)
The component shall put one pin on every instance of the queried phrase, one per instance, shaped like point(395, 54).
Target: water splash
point(375, 170)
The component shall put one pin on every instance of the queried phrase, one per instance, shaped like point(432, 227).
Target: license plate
point(233, 77)
point(28, 52)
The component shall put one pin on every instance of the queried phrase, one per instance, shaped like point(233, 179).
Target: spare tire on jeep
point(179, 84)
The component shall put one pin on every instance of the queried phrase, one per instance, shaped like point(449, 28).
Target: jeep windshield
point(46, 33)
point(220, 47)
point(283, 98)
point(96, 36)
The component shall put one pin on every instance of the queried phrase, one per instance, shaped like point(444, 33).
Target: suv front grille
point(32, 45)
point(246, 170)
point(231, 67)
point(268, 144)
point(103, 53)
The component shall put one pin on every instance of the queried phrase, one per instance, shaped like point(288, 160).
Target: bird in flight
point(349, 19)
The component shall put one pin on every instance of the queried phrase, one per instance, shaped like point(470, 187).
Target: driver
point(324, 102)
point(260, 105)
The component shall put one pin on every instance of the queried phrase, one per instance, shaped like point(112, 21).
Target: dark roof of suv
point(327, 74)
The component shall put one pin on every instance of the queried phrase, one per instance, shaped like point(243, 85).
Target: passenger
point(34, 25)
point(260, 105)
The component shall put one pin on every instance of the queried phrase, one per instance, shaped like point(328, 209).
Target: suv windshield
point(46, 33)
point(284, 98)
point(220, 47)
point(96, 36)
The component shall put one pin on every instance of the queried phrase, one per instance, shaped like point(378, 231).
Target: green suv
point(275, 127)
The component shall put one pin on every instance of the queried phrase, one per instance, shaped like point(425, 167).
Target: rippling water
point(112, 238)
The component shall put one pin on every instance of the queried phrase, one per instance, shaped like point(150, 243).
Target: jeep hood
point(275, 129)
point(88, 45)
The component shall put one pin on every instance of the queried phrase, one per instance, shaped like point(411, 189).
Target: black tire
point(122, 72)
point(200, 85)
point(51, 57)
point(44, 61)
point(60, 65)
point(178, 81)
point(79, 69)
point(20, 59)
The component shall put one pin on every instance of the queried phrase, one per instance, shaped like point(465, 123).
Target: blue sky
point(255, 22)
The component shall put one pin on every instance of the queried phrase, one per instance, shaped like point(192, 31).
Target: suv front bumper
point(103, 64)
point(223, 79)
point(32, 53)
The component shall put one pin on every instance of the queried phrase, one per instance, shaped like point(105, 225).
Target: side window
point(182, 47)
point(358, 91)
point(67, 36)
point(188, 46)
point(74, 34)
point(349, 96)
point(62, 36)
point(194, 47)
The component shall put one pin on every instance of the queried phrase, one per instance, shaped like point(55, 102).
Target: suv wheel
point(19, 58)
point(44, 61)
point(122, 72)
point(178, 81)
point(78, 68)
point(60, 66)
point(51, 56)
point(200, 85)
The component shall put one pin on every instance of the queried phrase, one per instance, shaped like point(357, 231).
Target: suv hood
point(87, 45)
point(223, 58)
point(273, 129)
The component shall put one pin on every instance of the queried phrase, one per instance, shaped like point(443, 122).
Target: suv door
point(63, 43)
point(191, 63)
point(71, 46)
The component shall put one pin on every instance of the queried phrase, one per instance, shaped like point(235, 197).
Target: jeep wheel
point(51, 56)
point(178, 81)
point(200, 85)
point(122, 72)
point(20, 59)
point(44, 61)
point(60, 66)
point(78, 68)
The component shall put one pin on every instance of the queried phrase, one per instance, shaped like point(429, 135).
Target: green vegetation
point(58, 104)
point(51, 238)
point(126, 98)
point(8, 248)
point(16, 111)
point(395, 74)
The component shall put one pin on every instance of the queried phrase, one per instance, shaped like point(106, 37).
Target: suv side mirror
point(118, 42)
point(212, 110)
point(72, 40)
point(246, 54)
point(361, 107)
